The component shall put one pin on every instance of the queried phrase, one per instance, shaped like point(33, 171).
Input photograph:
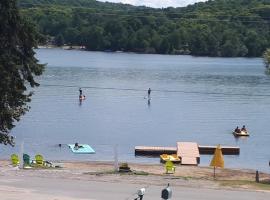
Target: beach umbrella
point(217, 160)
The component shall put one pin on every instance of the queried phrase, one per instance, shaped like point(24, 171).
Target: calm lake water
point(196, 99)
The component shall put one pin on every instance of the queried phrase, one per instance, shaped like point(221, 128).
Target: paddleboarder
point(149, 93)
point(80, 91)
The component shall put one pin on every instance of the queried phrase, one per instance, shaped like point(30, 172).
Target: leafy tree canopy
point(266, 57)
point(18, 66)
point(226, 28)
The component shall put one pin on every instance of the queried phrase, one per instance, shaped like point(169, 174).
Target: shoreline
point(78, 48)
point(146, 174)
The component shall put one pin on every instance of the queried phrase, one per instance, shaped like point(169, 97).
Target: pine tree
point(18, 66)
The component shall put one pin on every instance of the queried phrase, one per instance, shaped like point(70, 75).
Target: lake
point(197, 99)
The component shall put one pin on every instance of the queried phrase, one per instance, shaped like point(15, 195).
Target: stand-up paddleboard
point(148, 99)
point(83, 148)
point(82, 98)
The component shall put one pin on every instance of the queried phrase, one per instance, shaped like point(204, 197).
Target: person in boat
point(244, 129)
point(149, 93)
point(237, 130)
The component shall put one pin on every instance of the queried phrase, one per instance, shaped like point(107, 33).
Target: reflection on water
point(193, 99)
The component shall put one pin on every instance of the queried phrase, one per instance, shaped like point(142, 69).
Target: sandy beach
point(142, 175)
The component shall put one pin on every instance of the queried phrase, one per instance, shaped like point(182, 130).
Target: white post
point(115, 158)
point(21, 154)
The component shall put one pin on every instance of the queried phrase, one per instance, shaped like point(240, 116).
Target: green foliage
point(18, 66)
point(266, 57)
point(59, 40)
point(226, 28)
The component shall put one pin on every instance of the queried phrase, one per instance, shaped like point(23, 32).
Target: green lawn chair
point(39, 160)
point(169, 166)
point(26, 160)
point(15, 160)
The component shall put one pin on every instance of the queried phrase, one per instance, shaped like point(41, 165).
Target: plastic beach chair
point(39, 160)
point(26, 159)
point(15, 160)
point(169, 166)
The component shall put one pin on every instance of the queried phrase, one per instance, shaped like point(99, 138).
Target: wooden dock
point(226, 150)
point(153, 151)
point(203, 150)
point(188, 152)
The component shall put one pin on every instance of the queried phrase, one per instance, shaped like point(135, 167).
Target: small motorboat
point(242, 133)
point(166, 157)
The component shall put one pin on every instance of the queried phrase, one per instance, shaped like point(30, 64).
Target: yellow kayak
point(166, 157)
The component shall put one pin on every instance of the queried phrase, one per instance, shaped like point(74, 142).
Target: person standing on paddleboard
point(80, 90)
point(149, 93)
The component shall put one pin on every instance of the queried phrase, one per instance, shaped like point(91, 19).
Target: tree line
point(226, 28)
point(18, 67)
point(266, 58)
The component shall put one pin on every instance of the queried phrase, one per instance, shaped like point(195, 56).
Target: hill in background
point(226, 28)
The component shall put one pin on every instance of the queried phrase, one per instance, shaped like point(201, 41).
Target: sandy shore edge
point(146, 174)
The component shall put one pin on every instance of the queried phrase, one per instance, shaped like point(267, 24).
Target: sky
point(156, 3)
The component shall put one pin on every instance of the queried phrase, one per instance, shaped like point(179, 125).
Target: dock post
point(257, 178)
point(115, 158)
point(21, 155)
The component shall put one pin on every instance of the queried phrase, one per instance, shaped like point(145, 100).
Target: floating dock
point(226, 150)
point(203, 150)
point(153, 150)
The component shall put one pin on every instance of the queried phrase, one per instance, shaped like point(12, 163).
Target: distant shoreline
point(65, 47)
point(79, 48)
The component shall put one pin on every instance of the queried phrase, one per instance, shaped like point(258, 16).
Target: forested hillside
point(215, 28)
